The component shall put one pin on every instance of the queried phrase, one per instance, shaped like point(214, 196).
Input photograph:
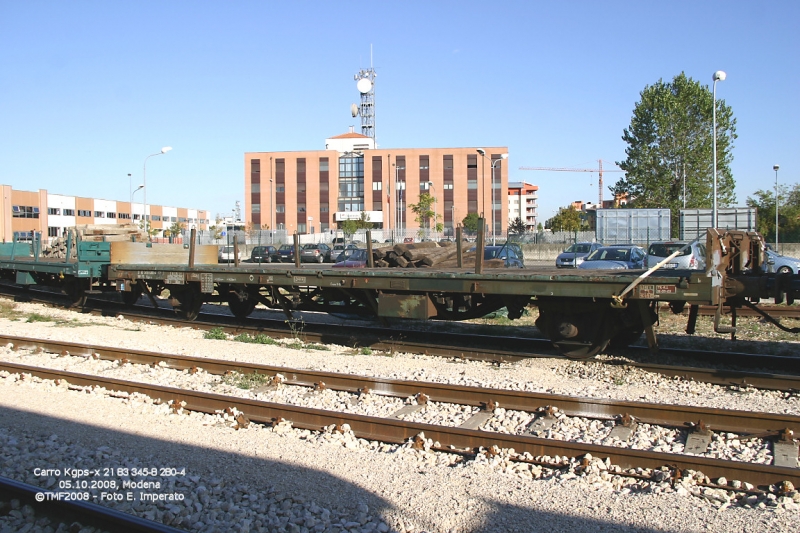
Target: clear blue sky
point(88, 89)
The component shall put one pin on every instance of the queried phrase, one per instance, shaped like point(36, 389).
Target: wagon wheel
point(628, 324)
point(129, 298)
point(75, 289)
point(579, 330)
point(190, 300)
point(241, 308)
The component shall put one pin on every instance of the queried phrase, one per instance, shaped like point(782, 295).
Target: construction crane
point(599, 171)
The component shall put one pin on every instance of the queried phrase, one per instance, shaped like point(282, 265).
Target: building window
point(255, 188)
point(323, 208)
point(136, 216)
point(301, 228)
point(181, 219)
point(53, 211)
point(52, 232)
point(255, 208)
point(173, 219)
point(323, 164)
point(99, 214)
point(69, 212)
point(301, 187)
point(84, 213)
point(423, 162)
point(377, 185)
point(280, 208)
point(448, 185)
point(301, 208)
point(24, 211)
point(125, 216)
point(280, 188)
point(111, 215)
point(156, 218)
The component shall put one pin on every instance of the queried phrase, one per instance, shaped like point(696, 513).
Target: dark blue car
point(286, 253)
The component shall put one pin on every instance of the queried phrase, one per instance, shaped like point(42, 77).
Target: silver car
point(692, 258)
point(614, 258)
point(573, 256)
point(782, 264)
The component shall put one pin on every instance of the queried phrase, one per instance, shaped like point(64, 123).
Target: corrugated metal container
point(636, 226)
point(695, 222)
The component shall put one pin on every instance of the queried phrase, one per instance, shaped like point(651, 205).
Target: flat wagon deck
point(581, 311)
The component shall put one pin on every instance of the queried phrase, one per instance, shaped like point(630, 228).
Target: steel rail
point(733, 421)
point(397, 431)
point(86, 513)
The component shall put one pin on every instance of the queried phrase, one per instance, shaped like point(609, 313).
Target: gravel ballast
point(283, 479)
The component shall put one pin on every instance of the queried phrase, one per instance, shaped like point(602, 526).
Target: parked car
point(315, 253)
point(615, 257)
point(693, 257)
point(573, 256)
point(345, 253)
point(506, 253)
point(782, 264)
point(357, 259)
point(225, 254)
point(517, 249)
point(263, 254)
point(286, 253)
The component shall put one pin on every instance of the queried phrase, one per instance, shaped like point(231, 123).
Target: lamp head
point(481, 151)
point(503, 156)
point(166, 149)
point(775, 167)
point(719, 75)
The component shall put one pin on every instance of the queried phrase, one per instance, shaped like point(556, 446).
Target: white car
point(225, 254)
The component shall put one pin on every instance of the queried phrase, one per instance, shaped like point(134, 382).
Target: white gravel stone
point(287, 479)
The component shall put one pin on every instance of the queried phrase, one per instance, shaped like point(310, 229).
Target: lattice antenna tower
point(365, 83)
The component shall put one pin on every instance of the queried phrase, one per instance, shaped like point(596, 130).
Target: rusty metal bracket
point(699, 439)
point(625, 428)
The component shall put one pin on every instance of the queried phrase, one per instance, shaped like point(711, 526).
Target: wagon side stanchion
point(459, 247)
point(370, 259)
point(192, 238)
point(480, 245)
point(296, 250)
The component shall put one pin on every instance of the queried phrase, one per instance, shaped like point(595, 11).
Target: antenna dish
point(364, 85)
point(354, 110)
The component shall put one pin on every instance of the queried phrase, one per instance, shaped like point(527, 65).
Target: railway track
point(464, 439)
point(727, 368)
point(70, 515)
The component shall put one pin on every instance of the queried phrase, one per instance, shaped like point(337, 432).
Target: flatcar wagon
point(582, 312)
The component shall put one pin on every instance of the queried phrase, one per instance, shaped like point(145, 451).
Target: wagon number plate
point(175, 278)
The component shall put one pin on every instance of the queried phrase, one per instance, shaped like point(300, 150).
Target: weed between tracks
point(296, 344)
point(245, 381)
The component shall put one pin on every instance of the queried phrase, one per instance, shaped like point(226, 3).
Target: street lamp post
point(775, 168)
point(494, 162)
point(718, 76)
point(482, 153)
point(164, 150)
point(139, 188)
point(271, 214)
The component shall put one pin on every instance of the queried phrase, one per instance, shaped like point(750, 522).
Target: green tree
point(176, 228)
point(363, 221)
point(424, 210)
point(788, 212)
point(471, 222)
point(567, 219)
point(217, 229)
point(670, 136)
point(348, 227)
point(517, 226)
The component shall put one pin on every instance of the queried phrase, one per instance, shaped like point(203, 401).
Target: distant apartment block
point(522, 199)
point(23, 212)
